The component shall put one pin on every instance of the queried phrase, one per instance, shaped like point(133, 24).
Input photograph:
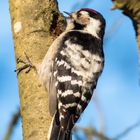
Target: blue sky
point(118, 92)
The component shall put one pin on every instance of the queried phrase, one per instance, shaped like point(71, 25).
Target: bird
point(71, 68)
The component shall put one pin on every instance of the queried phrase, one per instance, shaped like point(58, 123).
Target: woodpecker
point(71, 68)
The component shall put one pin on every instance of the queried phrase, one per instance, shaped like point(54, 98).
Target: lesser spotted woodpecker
point(71, 68)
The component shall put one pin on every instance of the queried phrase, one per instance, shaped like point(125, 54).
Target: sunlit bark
point(35, 24)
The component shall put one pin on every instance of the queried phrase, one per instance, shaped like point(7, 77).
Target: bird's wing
point(52, 92)
point(46, 70)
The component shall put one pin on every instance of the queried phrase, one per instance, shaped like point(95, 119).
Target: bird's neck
point(93, 28)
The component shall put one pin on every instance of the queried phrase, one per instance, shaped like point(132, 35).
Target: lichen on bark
point(35, 24)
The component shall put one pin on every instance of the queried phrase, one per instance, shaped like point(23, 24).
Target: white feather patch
point(77, 94)
point(93, 27)
point(54, 74)
point(70, 105)
point(56, 83)
point(63, 78)
point(59, 105)
point(79, 107)
point(62, 53)
point(61, 116)
point(70, 92)
point(74, 82)
point(62, 62)
point(67, 92)
point(59, 92)
point(66, 65)
point(84, 99)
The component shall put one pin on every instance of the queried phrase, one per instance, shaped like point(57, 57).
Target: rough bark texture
point(35, 24)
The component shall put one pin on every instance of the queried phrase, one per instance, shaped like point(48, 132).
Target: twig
point(13, 122)
point(127, 130)
point(92, 132)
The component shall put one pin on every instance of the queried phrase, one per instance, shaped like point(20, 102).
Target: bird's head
point(87, 20)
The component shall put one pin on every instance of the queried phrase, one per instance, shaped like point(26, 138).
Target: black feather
point(55, 129)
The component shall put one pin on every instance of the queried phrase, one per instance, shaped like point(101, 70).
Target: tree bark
point(35, 24)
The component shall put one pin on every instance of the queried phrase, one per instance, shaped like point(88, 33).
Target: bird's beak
point(69, 14)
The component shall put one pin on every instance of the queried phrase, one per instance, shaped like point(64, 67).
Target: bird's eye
point(79, 15)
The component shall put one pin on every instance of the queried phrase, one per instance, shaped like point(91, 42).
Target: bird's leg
point(27, 64)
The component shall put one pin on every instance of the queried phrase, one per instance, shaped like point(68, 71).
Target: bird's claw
point(27, 64)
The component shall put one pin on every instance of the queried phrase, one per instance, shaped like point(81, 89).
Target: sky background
point(117, 93)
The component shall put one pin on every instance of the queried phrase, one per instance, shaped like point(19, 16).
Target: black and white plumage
point(71, 68)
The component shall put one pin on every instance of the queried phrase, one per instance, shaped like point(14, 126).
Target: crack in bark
point(55, 29)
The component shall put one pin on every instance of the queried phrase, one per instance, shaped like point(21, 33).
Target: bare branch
point(91, 132)
point(127, 130)
point(12, 124)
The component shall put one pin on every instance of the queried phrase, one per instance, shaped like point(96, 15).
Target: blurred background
point(115, 104)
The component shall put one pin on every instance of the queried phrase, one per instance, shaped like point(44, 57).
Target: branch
point(92, 132)
point(127, 130)
point(12, 124)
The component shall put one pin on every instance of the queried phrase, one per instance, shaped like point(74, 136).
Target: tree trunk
point(35, 24)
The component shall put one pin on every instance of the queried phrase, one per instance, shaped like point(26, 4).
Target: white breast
point(85, 65)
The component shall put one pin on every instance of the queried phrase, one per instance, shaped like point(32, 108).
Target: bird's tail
point(64, 135)
point(54, 128)
point(56, 132)
point(66, 132)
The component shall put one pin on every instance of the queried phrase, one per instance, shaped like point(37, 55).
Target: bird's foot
point(27, 64)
